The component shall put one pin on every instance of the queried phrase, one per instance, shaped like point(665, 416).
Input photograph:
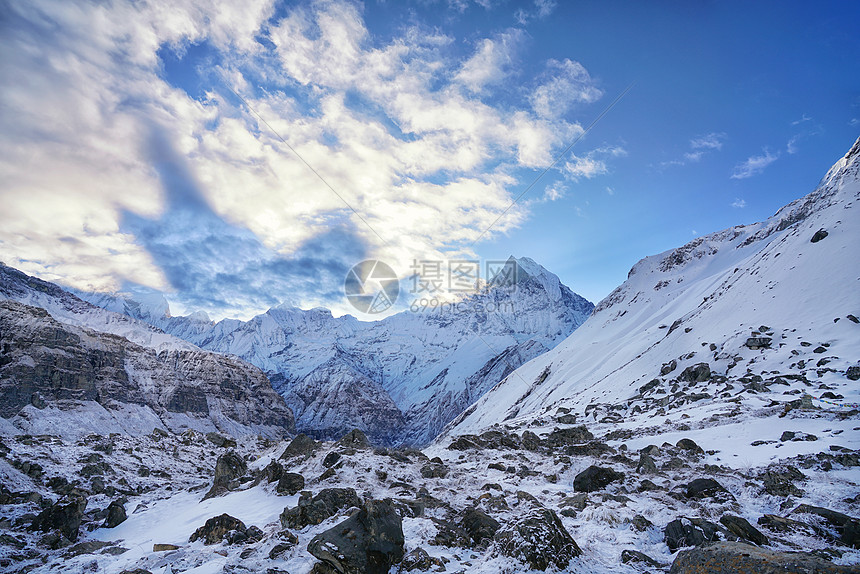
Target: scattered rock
point(779, 481)
point(628, 556)
point(690, 532)
point(704, 488)
point(434, 470)
point(220, 440)
point(479, 525)
point(646, 464)
point(368, 542)
point(65, 516)
point(302, 445)
point(217, 529)
point(115, 514)
point(818, 236)
point(418, 559)
point(689, 445)
point(736, 557)
point(538, 538)
point(758, 342)
point(530, 441)
point(290, 483)
point(668, 367)
point(229, 468)
point(847, 528)
point(569, 436)
point(354, 439)
point(697, 373)
point(595, 478)
point(311, 511)
point(743, 529)
point(853, 373)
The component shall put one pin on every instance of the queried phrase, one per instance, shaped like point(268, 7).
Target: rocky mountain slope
point(710, 427)
point(400, 379)
point(69, 380)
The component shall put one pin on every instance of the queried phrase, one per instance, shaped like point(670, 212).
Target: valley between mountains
point(703, 417)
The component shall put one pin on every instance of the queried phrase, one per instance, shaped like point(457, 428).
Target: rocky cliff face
point(53, 376)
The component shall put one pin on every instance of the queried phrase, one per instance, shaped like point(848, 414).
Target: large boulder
point(354, 439)
point(219, 528)
point(480, 525)
point(300, 446)
point(290, 483)
point(736, 557)
point(683, 532)
point(64, 516)
point(595, 478)
point(538, 538)
point(228, 469)
point(741, 528)
point(313, 510)
point(571, 435)
point(368, 542)
point(706, 488)
point(846, 527)
point(698, 373)
point(115, 514)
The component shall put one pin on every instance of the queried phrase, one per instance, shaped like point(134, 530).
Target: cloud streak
point(754, 165)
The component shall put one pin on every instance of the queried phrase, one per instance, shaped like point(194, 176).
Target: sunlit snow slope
point(700, 303)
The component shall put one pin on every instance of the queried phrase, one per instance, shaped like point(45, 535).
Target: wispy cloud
point(754, 165)
point(407, 131)
point(592, 164)
point(712, 140)
point(699, 147)
point(739, 203)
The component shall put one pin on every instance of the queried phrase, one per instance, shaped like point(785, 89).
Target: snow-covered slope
point(400, 379)
point(780, 279)
point(70, 368)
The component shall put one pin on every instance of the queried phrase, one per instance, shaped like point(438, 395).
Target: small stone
point(164, 547)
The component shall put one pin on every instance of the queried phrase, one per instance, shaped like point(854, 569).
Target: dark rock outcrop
point(698, 373)
point(368, 542)
point(479, 525)
point(313, 510)
point(683, 532)
point(595, 478)
point(228, 469)
point(115, 514)
point(538, 538)
point(302, 445)
point(739, 558)
point(846, 527)
point(741, 528)
point(219, 528)
point(290, 483)
point(64, 516)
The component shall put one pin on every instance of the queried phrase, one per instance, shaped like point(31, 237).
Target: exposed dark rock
point(853, 373)
point(465, 442)
point(315, 510)
point(530, 441)
point(115, 514)
point(434, 470)
point(64, 516)
point(739, 558)
point(779, 481)
point(164, 547)
point(704, 488)
point(758, 342)
point(88, 547)
point(743, 529)
point(683, 532)
point(628, 556)
point(290, 483)
point(640, 523)
point(697, 373)
point(818, 236)
point(418, 559)
point(219, 528)
point(689, 445)
point(595, 478)
point(331, 459)
point(646, 464)
point(228, 469)
point(847, 528)
point(272, 472)
point(302, 445)
point(479, 525)
point(220, 440)
point(354, 439)
point(787, 525)
point(368, 542)
point(538, 538)
point(668, 367)
point(568, 436)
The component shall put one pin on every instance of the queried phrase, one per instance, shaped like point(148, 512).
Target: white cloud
point(709, 141)
point(791, 146)
point(754, 165)
point(739, 203)
point(693, 156)
point(428, 164)
point(555, 191)
point(803, 118)
point(567, 83)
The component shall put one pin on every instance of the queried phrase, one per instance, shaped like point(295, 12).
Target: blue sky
point(129, 161)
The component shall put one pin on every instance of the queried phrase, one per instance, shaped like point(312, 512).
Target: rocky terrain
point(704, 419)
point(68, 380)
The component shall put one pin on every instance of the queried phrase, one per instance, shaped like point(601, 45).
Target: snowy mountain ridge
point(400, 379)
point(783, 279)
